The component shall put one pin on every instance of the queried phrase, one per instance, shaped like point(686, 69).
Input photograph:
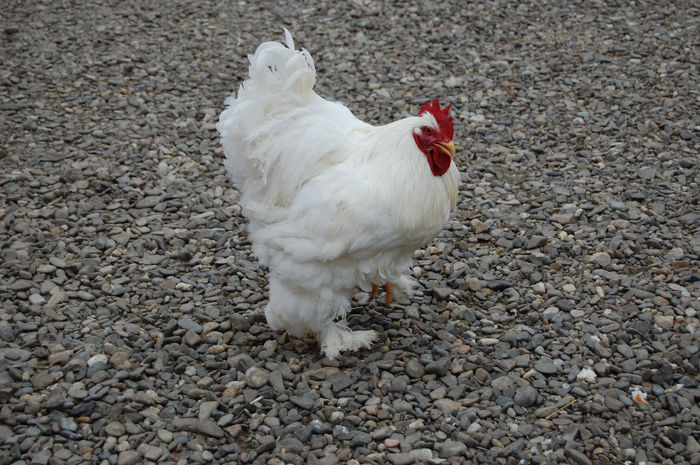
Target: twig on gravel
point(554, 413)
point(510, 91)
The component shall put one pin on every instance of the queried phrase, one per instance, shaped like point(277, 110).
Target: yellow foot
point(375, 292)
point(388, 287)
point(389, 293)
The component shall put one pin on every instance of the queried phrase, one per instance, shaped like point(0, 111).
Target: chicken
point(333, 203)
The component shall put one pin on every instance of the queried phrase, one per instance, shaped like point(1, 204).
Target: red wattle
point(439, 162)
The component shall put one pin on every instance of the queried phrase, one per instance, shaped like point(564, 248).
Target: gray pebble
point(15, 355)
point(546, 367)
point(21, 285)
point(115, 428)
point(525, 396)
point(400, 458)
point(579, 458)
point(256, 377)
point(97, 363)
point(305, 402)
point(601, 259)
point(165, 435)
point(502, 384)
point(340, 381)
point(129, 457)
point(5, 433)
point(414, 368)
point(190, 325)
point(41, 457)
point(276, 381)
point(451, 448)
point(443, 293)
point(359, 438)
point(43, 379)
point(210, 428)
point(36, 299)
point(664, 374)
point(7, 334)
point(67, 424)
point(437, 367)
point(498, 284)
point(152, 453)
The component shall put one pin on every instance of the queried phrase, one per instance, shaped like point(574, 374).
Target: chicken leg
point(389, 293)
point(389, 298)
point(375, 292)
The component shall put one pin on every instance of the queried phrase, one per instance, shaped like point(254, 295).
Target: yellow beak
point(448, 147)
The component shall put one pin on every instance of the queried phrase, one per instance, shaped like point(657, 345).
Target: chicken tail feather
point(280, 82)
point(288, 39)
point(279, 67)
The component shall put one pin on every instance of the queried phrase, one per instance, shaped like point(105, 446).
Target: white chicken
point(333, 203)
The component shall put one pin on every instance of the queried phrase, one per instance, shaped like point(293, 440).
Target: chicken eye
point(428, 131)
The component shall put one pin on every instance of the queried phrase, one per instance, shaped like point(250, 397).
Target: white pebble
point(539, 288)
point(586, 375)
point(36, 299)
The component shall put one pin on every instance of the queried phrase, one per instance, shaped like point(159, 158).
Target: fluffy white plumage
point(333, 203)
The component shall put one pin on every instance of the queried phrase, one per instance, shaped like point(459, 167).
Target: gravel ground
point(556, 320)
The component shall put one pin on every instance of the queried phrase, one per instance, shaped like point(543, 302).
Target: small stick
point(560, 409)
point(507, 88)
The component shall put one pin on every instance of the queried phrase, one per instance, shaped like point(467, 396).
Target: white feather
point(333, 203)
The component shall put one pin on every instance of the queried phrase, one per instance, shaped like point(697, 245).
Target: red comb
point(442, 116)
